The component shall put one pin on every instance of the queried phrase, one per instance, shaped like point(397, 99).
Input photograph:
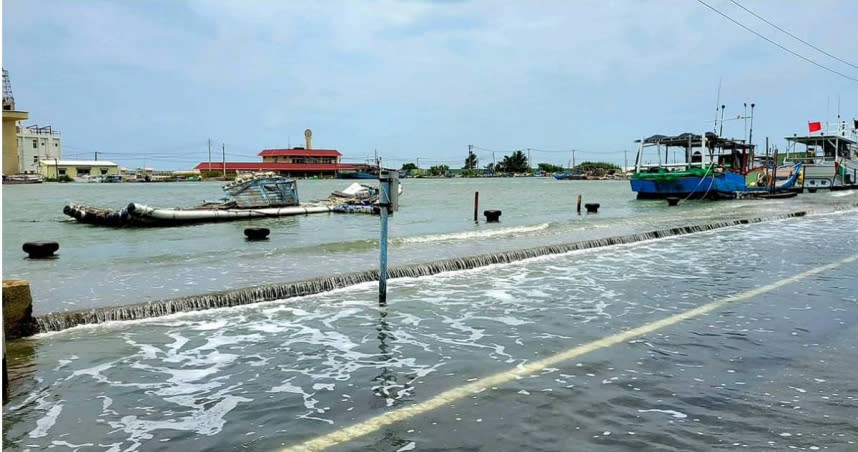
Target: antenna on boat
point(745, 118)
point(751, 134)
point(717, 101)
point(721, 132)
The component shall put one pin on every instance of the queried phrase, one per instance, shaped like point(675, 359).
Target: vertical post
point(210, 154)
point(751, 130)
point(382, 260)
point(223, 151)
point(388, 185)
point(774, 171)
point(578, 209)
point(476, 206)
point(5, 368)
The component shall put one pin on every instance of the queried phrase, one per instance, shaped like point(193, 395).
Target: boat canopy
point(817, 139)
point(694, 140)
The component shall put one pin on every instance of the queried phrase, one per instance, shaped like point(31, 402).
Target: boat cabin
point(833, 143)
point(663, 153)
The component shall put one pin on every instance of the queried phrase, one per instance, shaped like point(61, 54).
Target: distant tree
point(549, 168)
point(490, 168)
point(515, 163)
point(439, 170)
point(597, 168)
point(409, 167)
point(471, 161)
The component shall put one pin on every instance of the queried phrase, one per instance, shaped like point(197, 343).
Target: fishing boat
point(568, 175)
point(703, 166)
point(253, 195)
point(830, 158)
point(22, 179)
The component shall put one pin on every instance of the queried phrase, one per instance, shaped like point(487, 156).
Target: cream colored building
point(52, 169)
point(35, 144)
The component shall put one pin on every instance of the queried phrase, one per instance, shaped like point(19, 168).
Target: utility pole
point(626, 157)
point(573, 159)
point(210, 154)
point(529, 163)
point(96, 156)
point(223, 150)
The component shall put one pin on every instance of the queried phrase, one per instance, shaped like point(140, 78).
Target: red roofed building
point(295, 162)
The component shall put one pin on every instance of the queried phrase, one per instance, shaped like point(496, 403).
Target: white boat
point(829, 157)
point(249, 196)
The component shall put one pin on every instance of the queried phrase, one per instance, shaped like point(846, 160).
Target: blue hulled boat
point(703, 166)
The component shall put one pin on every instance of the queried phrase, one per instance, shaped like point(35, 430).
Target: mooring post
point(578, 209)
point(5, 369)
point(388, 202)
point(476, 206)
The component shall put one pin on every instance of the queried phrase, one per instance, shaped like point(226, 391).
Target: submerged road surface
point(745, 337)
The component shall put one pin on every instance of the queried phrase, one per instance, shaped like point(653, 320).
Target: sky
point(148, 83)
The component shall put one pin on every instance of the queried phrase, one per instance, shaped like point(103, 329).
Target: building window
point(35, 144)
point(62, 171)
point(56, 145)
point(83, 171)
point(35, 159)
point(103, 170)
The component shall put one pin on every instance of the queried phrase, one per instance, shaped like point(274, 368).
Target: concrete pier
point(18, 318)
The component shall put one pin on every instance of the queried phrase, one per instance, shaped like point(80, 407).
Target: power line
point(792, 35)
point(775, 43)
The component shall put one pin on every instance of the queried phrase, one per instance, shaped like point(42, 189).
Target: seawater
point(107, 267)
point(770, 372)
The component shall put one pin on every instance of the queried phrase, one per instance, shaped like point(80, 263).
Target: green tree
point(598, 168)
point(490, 168)
point(515, 163)
point(471, 161)
point(549, 168)
point(439, 170)
point(409, 167)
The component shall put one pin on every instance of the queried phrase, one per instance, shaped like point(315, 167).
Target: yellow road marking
point(376, 423)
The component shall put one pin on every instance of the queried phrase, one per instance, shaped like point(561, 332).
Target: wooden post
point(5, 369)
point(578, 209)
point(476, 206)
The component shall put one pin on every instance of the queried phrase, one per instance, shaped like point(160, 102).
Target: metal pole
point(751, 132)
point(721, 130)
point(382, 261)
point(223, 150)
point(210, 154)
point(384, 202)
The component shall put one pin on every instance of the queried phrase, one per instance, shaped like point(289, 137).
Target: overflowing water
point(770, 370)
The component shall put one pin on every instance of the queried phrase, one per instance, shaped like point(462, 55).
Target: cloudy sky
point(149, 82)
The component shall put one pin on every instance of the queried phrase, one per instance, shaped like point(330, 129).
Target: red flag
point(814, 126)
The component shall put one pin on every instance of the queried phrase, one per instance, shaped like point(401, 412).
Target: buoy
point(672, 200)
point(492, 216)
point(592, 207)
point(39, 250)
point(256, 233)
